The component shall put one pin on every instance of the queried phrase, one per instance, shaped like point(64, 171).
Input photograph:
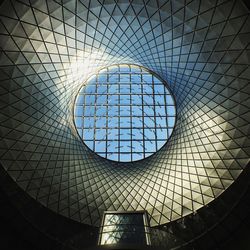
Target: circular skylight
point(124, 113)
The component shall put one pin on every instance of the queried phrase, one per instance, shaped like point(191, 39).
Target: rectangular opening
point(124, 228)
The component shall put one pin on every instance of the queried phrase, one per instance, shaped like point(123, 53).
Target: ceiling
point(49, 48)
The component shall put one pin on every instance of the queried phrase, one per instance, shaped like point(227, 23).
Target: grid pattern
point(49, 48)
point(124, 113)
point(124, 229)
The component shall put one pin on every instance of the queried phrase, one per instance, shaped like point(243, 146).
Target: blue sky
point(124, 114)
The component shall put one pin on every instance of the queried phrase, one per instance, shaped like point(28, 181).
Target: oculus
point(124, 113)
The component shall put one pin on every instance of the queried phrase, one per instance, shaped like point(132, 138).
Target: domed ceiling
point(50, 48)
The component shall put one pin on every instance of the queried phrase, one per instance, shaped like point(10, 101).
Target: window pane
point(124, 113)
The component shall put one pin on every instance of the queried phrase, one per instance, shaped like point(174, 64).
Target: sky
point(124, 113)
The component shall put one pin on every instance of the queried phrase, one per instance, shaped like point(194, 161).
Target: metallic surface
point(48, 49)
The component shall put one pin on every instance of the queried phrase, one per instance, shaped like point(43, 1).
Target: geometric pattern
point(49, 48)
point(124, 228)
point(124, 113)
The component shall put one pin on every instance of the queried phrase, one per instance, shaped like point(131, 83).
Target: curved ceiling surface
point(49, 48)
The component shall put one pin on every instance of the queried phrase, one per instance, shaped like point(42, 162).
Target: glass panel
point(124, 110)
point(124, 228)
